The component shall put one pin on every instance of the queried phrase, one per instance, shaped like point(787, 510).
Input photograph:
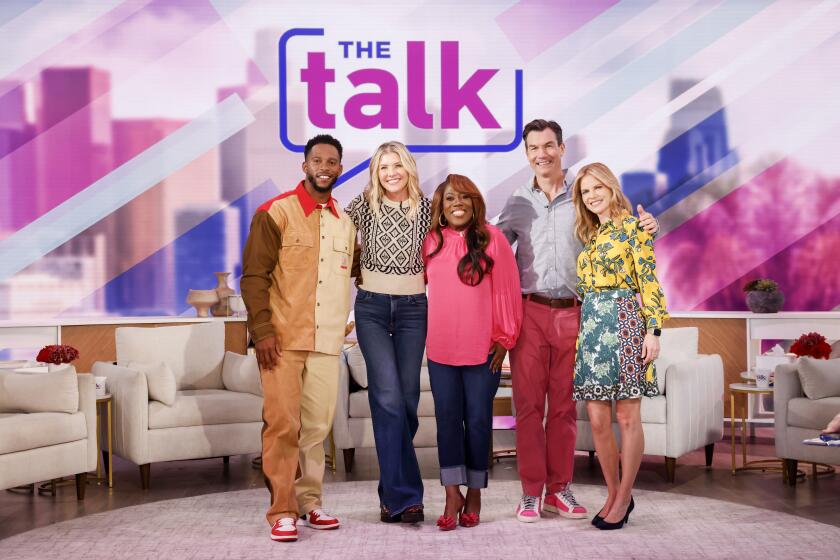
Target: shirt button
point(322, 259)
point(318, 304)
point(320, 281)
point(323, 237)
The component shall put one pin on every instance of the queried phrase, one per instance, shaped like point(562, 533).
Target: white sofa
point(353, 427)
point(217, 408)
point(688, 415)
point(798, 417)
point(689, 412)
point(47, 427)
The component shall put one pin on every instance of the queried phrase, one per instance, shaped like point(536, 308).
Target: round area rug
point(232, 525)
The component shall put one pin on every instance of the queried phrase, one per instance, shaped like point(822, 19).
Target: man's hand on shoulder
point(647, 221)
point(268, 352)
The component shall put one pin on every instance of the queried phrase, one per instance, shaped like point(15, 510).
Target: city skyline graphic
point(138, 137)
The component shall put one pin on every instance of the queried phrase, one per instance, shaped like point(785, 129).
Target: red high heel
point(446, 523)
point(469, 519)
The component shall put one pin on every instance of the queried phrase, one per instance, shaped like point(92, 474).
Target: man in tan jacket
point(296, 286)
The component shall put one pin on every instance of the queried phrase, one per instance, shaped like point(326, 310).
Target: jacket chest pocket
point(342, 257)
point(296, 251)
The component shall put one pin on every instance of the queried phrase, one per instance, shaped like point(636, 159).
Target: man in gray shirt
point(540, 218)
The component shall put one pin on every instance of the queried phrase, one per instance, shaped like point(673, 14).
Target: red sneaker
point(564, 503)
point(317, 519)
point(284, 530)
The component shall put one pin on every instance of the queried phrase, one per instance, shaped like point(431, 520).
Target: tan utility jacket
point(296, 272)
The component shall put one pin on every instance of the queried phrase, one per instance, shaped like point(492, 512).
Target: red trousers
point(542, 366)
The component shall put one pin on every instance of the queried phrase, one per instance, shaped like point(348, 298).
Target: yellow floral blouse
point(621, 255)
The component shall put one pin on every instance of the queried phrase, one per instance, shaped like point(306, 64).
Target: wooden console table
point(94, 337)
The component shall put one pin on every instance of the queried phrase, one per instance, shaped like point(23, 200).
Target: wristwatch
point(657, 332)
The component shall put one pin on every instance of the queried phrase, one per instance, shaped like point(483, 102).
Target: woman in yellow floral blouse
point(618, 338)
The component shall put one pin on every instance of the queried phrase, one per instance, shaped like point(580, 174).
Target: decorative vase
point(765, 302)
point(222, 307)
point(202, 300)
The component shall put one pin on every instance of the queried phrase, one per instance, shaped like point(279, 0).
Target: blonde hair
point(586, 221)
point(375, 191)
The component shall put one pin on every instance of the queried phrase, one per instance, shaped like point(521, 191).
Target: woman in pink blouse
point(475, 311)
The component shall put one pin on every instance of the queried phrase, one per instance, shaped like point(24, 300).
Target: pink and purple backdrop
point(138, 136)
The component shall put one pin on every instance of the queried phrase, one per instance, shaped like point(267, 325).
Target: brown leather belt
point(552, 303)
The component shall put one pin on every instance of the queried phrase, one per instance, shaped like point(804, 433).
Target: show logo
point(422, 92)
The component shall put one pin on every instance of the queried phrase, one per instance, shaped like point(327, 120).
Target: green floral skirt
point(608, 365)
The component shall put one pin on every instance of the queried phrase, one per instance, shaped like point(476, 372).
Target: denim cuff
point(476, 479)
point(453, 476)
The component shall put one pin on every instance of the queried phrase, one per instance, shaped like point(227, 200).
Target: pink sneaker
point(528, 510)
point(284, 530)
point(564, 503)
point(317, 519)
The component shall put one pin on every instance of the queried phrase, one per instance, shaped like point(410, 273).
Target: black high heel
point(607, 526)
point(598, 519)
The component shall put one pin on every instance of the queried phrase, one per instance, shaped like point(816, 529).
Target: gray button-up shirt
point(546, 246)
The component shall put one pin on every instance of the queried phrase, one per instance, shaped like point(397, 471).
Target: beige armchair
point(215, 406)
point(798, 417)
point(47, 427)
point(688, 413)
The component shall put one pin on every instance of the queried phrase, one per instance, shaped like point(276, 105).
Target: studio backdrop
point(137, 137)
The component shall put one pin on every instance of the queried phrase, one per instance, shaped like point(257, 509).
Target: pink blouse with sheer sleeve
point(465, 321)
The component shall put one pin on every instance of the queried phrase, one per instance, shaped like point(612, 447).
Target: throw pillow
point(241, 374)
point(160, 379)
point(819, 378)
point(56, 391)
point(356, 363)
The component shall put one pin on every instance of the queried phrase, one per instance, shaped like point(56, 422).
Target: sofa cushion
point(819, 378)
point(242, 374)
point(676, 345)
point(425, 382)
point(653, 410)
point(56, 391)
point(40, 429)
point(159, 379)
point(358, 369)
point(812, 413)
point(194, 353)
point(200, 407)
point(357, 366)
point(360, 407)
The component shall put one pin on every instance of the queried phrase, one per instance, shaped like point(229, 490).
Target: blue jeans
point(464, 413)
point(392, 336)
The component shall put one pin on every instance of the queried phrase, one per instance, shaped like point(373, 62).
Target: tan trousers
point(298, 408)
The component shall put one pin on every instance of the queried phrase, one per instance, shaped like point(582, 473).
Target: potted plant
point(813, 345)
point(763, 296)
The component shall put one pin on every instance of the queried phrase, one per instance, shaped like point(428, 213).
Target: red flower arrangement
point(813, 345)
point(57, 354)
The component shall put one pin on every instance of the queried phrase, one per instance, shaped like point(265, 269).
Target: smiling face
point(544, 153)
point(596, 197)
point(393, 176)
point(322, 167)
point(457, 208)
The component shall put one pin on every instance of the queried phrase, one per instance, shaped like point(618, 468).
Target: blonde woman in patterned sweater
point(393, 217)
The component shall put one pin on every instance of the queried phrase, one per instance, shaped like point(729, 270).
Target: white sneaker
point(528, 510)
point(284, 530)
point(318, 519)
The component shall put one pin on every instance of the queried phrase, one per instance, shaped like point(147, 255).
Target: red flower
point(57, 354)
point(813, 345)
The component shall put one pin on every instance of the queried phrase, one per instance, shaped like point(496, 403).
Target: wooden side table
point(746, 389)
point(107, 400)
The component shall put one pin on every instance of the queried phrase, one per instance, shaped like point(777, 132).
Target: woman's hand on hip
point(650, 348)
point(499, 353)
